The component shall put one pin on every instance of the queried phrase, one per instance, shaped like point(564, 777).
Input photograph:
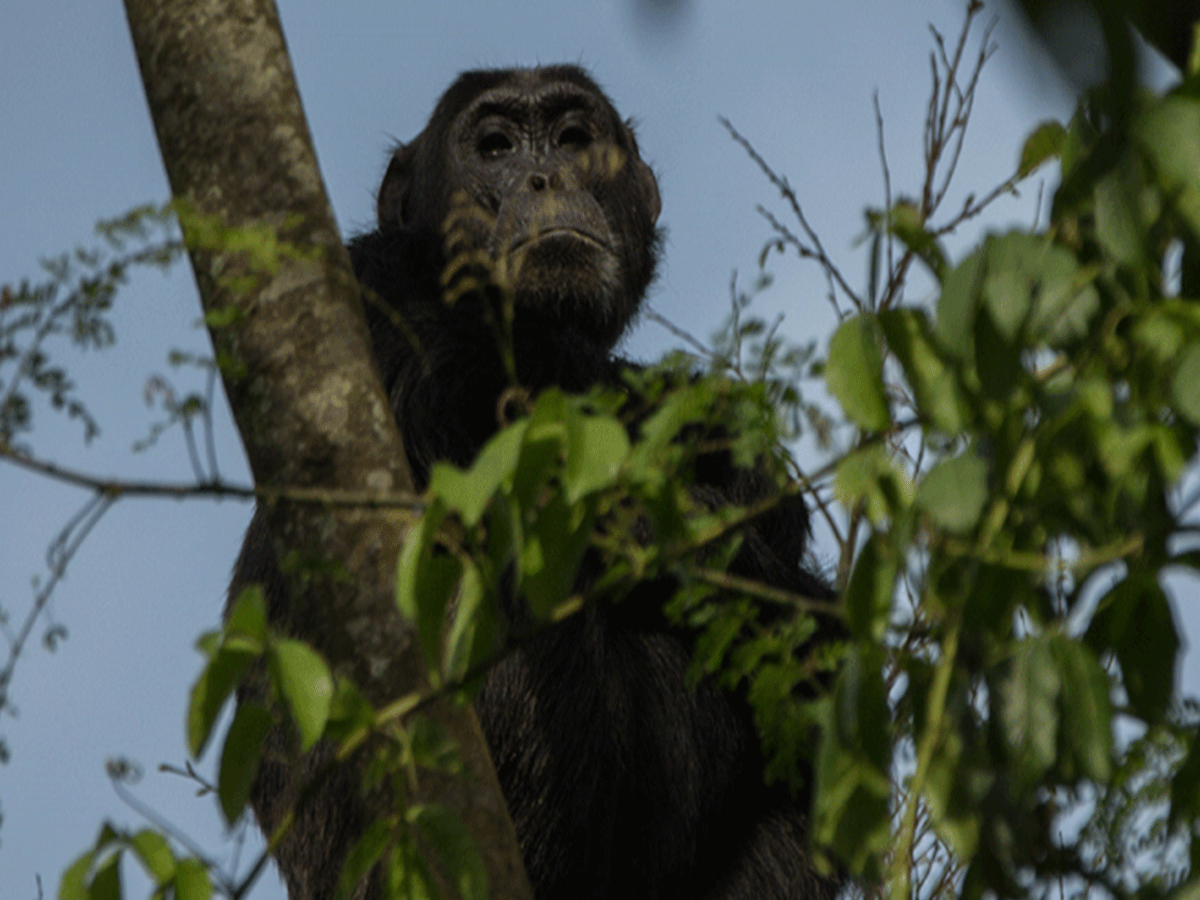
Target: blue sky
point(76, 145)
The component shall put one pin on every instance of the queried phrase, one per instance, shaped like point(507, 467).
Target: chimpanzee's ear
point(391, 205)
point(647, 183)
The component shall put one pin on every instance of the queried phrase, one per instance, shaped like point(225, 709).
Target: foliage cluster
point(1011, 494)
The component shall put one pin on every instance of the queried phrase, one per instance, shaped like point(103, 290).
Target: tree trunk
point(296, 357)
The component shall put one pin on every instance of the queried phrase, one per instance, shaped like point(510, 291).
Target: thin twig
point(887, 181)
point(117, 488)
point(786, 190)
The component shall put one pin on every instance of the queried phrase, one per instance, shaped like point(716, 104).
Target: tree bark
point(296, 358)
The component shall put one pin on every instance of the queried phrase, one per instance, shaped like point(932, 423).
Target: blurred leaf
point(1134, 619)
point(596, 447)
point(306, 685)
point(456, 851)
point(1044, 142)
point(1085, 709)
point(1028, 710)
point(408, 878)
point(854, 373)
point(366, 852)
point(852, 767)
point(869, 593)
point(155, 855)
point(248, 616)
point(907, 224)
point(425, 582)
point(106, 882)
point(1185, 385)
point(468, 492)
point(874, 477)
point(1117, 225)
point(191, 881)
point(473, 635)
point(240, 757)
point(554, 546)
point(955, 491)
point(1170, 132)
point(216, 683)
point(1185, 787)
point(936, 388)
point(73, 885)
point(959, 304)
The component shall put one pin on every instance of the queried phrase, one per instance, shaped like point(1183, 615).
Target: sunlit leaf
point(306, 685)
point(469, 491)
point(192, 881)
point(596, 447)
point(155, 854)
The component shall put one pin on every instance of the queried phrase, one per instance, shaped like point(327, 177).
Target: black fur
point(622, 781)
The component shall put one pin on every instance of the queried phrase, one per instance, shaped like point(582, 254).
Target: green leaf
point(1185, 786)
point(366, 852)
point(191, 881)
point(851, 814)
point(106, 883)
point(74, 880)
point(1044, 142)
point(1134, 619)
point(1118, 228)
point(869, 593)
point(240, 757)
point(596, 448)
point(469, 492)
point(1085, 709)
point(248, 615)
point(1170, 132)
point(907, 224)
point(349, 711)
point(437, 580)
point(1013, 267)
point(1185, 385)
point(306, 685)
point(854, 373)
point(473, 634)
point(457, 853)
point(155, 855)
point(657, 435)
point(873, 476)
point(958, 306)
point(217, 681)
point(554, 546)
point(432, 747)
point(935, 385)
point(955, 491)
point(408, 878)
point(1028, 701)
point(425, 582)
point(997, 360)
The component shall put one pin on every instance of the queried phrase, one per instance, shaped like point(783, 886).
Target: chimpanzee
point(622, 781)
